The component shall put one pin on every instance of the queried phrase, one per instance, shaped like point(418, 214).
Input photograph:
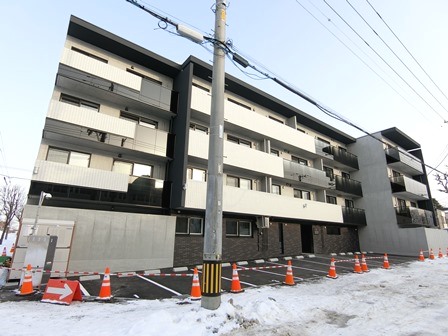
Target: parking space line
point(282, 275)
point(304, 268)
point(318, 263)
point(243, 282)
point(157, 284)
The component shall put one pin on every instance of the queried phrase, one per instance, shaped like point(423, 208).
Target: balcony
point(348, 160)
point(354, 216)
point(348, 186)
point(404, 163)
point(84, 74)
point(254, 124)
point(312, 177)
point(257, 203)
point(408, 188)
point(414, 217)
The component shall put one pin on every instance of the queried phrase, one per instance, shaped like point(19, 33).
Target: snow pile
point(407, 299)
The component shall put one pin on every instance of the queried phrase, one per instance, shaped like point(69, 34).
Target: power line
point(401, 61)
point(401, 77)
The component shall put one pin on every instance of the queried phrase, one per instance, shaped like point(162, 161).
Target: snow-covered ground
point(410, 299)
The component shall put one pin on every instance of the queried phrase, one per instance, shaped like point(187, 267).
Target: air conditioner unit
point(263, 222)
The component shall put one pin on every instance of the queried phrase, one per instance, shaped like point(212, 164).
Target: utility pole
point(212, 257)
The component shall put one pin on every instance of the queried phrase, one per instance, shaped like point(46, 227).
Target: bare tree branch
point(12, 201)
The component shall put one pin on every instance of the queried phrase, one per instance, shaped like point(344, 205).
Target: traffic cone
point(332, 272)
point(4, 252)
point(440, 253)
point(364, 267)
point(105, 291)
point(195, 287)
point(385, 262)
point(289, 279)
point(421, 256)
point(27, 283)
point(431, 255)
point(357, 268)
point(13, 248)
point(236, 286)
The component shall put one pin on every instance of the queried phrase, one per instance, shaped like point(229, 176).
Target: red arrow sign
point(62, 291)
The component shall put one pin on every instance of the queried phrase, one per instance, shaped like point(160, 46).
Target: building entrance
point(306, 232)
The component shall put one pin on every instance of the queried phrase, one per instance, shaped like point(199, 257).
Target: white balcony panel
point(238, 115)
point(263, 204)
point(100, 69)
point(61, 173)
point(237, 155)
point(91, 119)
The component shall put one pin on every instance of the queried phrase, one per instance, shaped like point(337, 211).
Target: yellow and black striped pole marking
point(211, 278)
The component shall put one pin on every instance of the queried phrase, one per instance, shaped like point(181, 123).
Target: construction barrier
point(62, 292)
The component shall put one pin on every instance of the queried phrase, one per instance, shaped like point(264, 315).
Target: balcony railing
point(348, 186)
point(308, 175)
point(322, 148)
point(414, 217)
point(403, 162)
point(354, 216)
point(342, 156)
point(408, 187)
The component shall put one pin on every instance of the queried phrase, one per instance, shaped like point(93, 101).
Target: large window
point(238, 228)
point(304, 194)
point(79, 102)
point(299, 160)
point(139, 120)
point(331, 200)
point(134, 169)
point(333, 230)
point(239, 182)
point(189, 225)
point(239, 141)
point(276, 189)
point(196, 174)
point(198, 128)
point(68, 157)
point(86, 53)
point(132, 71)
point(275, 152)
point(329, 172)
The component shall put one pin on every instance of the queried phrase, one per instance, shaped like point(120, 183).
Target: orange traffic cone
point(195, 287)
point(440, 253)
point(236, 286)
point(421, 256)
point(364, 267)
point(431, 255)
point(27, 283)
point(332, 272)
point(105, 291)
point(289, 279)
point(4, 252)
point(385, 262)
point(13, 248)
point(357, 268)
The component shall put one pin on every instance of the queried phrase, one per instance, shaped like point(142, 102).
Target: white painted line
point(180, 269)
point(287, 258)
point(259, 261)
point(199, 267)
point(273, 259)
point(83, 290)
point(349, 253)
point(310, 255)
point(157, 271)
point(282, 275)
point(333, 254)
point(342, 254)
point(226, 265)
point(89, 277)
point(300, 257)
point(242, 263)
point(157, 284)
point(364, 252)
point(358, 253)
point(243, 282)
point(304, 268)
point(318, 263)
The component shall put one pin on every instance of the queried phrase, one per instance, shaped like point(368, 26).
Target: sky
point(408, 299)
point(313, 45)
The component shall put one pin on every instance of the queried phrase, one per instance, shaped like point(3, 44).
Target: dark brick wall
point(347, 241)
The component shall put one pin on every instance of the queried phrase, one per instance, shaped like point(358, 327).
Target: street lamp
point(43, 195)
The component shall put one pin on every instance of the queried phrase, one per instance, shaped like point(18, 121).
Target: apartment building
point(124, 156)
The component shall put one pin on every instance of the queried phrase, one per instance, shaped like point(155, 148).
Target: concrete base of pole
point(211, 302)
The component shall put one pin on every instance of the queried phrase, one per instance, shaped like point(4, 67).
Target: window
point(68, 157)
point(302, 194)
point(301, 130)
point(238, 228)
point(201, 87)
point(139, 120)
point(345, 175)
point(79, 102)
point(199, 128)
point(276, 189)
point(331, 200)
point(275, 152)
point(349, 203)
point(196, 174)
point(240, 104)
point(189, 225)
point(329, 172)
point(132, 71)
point(239, 141)
point(86, 53)
point(277, 120)
point(333, 230)
point(395, 173)
point(134, 169)
point(238, 182)
point(299, 160)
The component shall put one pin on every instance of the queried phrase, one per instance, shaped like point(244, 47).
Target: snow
point(408, 299)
